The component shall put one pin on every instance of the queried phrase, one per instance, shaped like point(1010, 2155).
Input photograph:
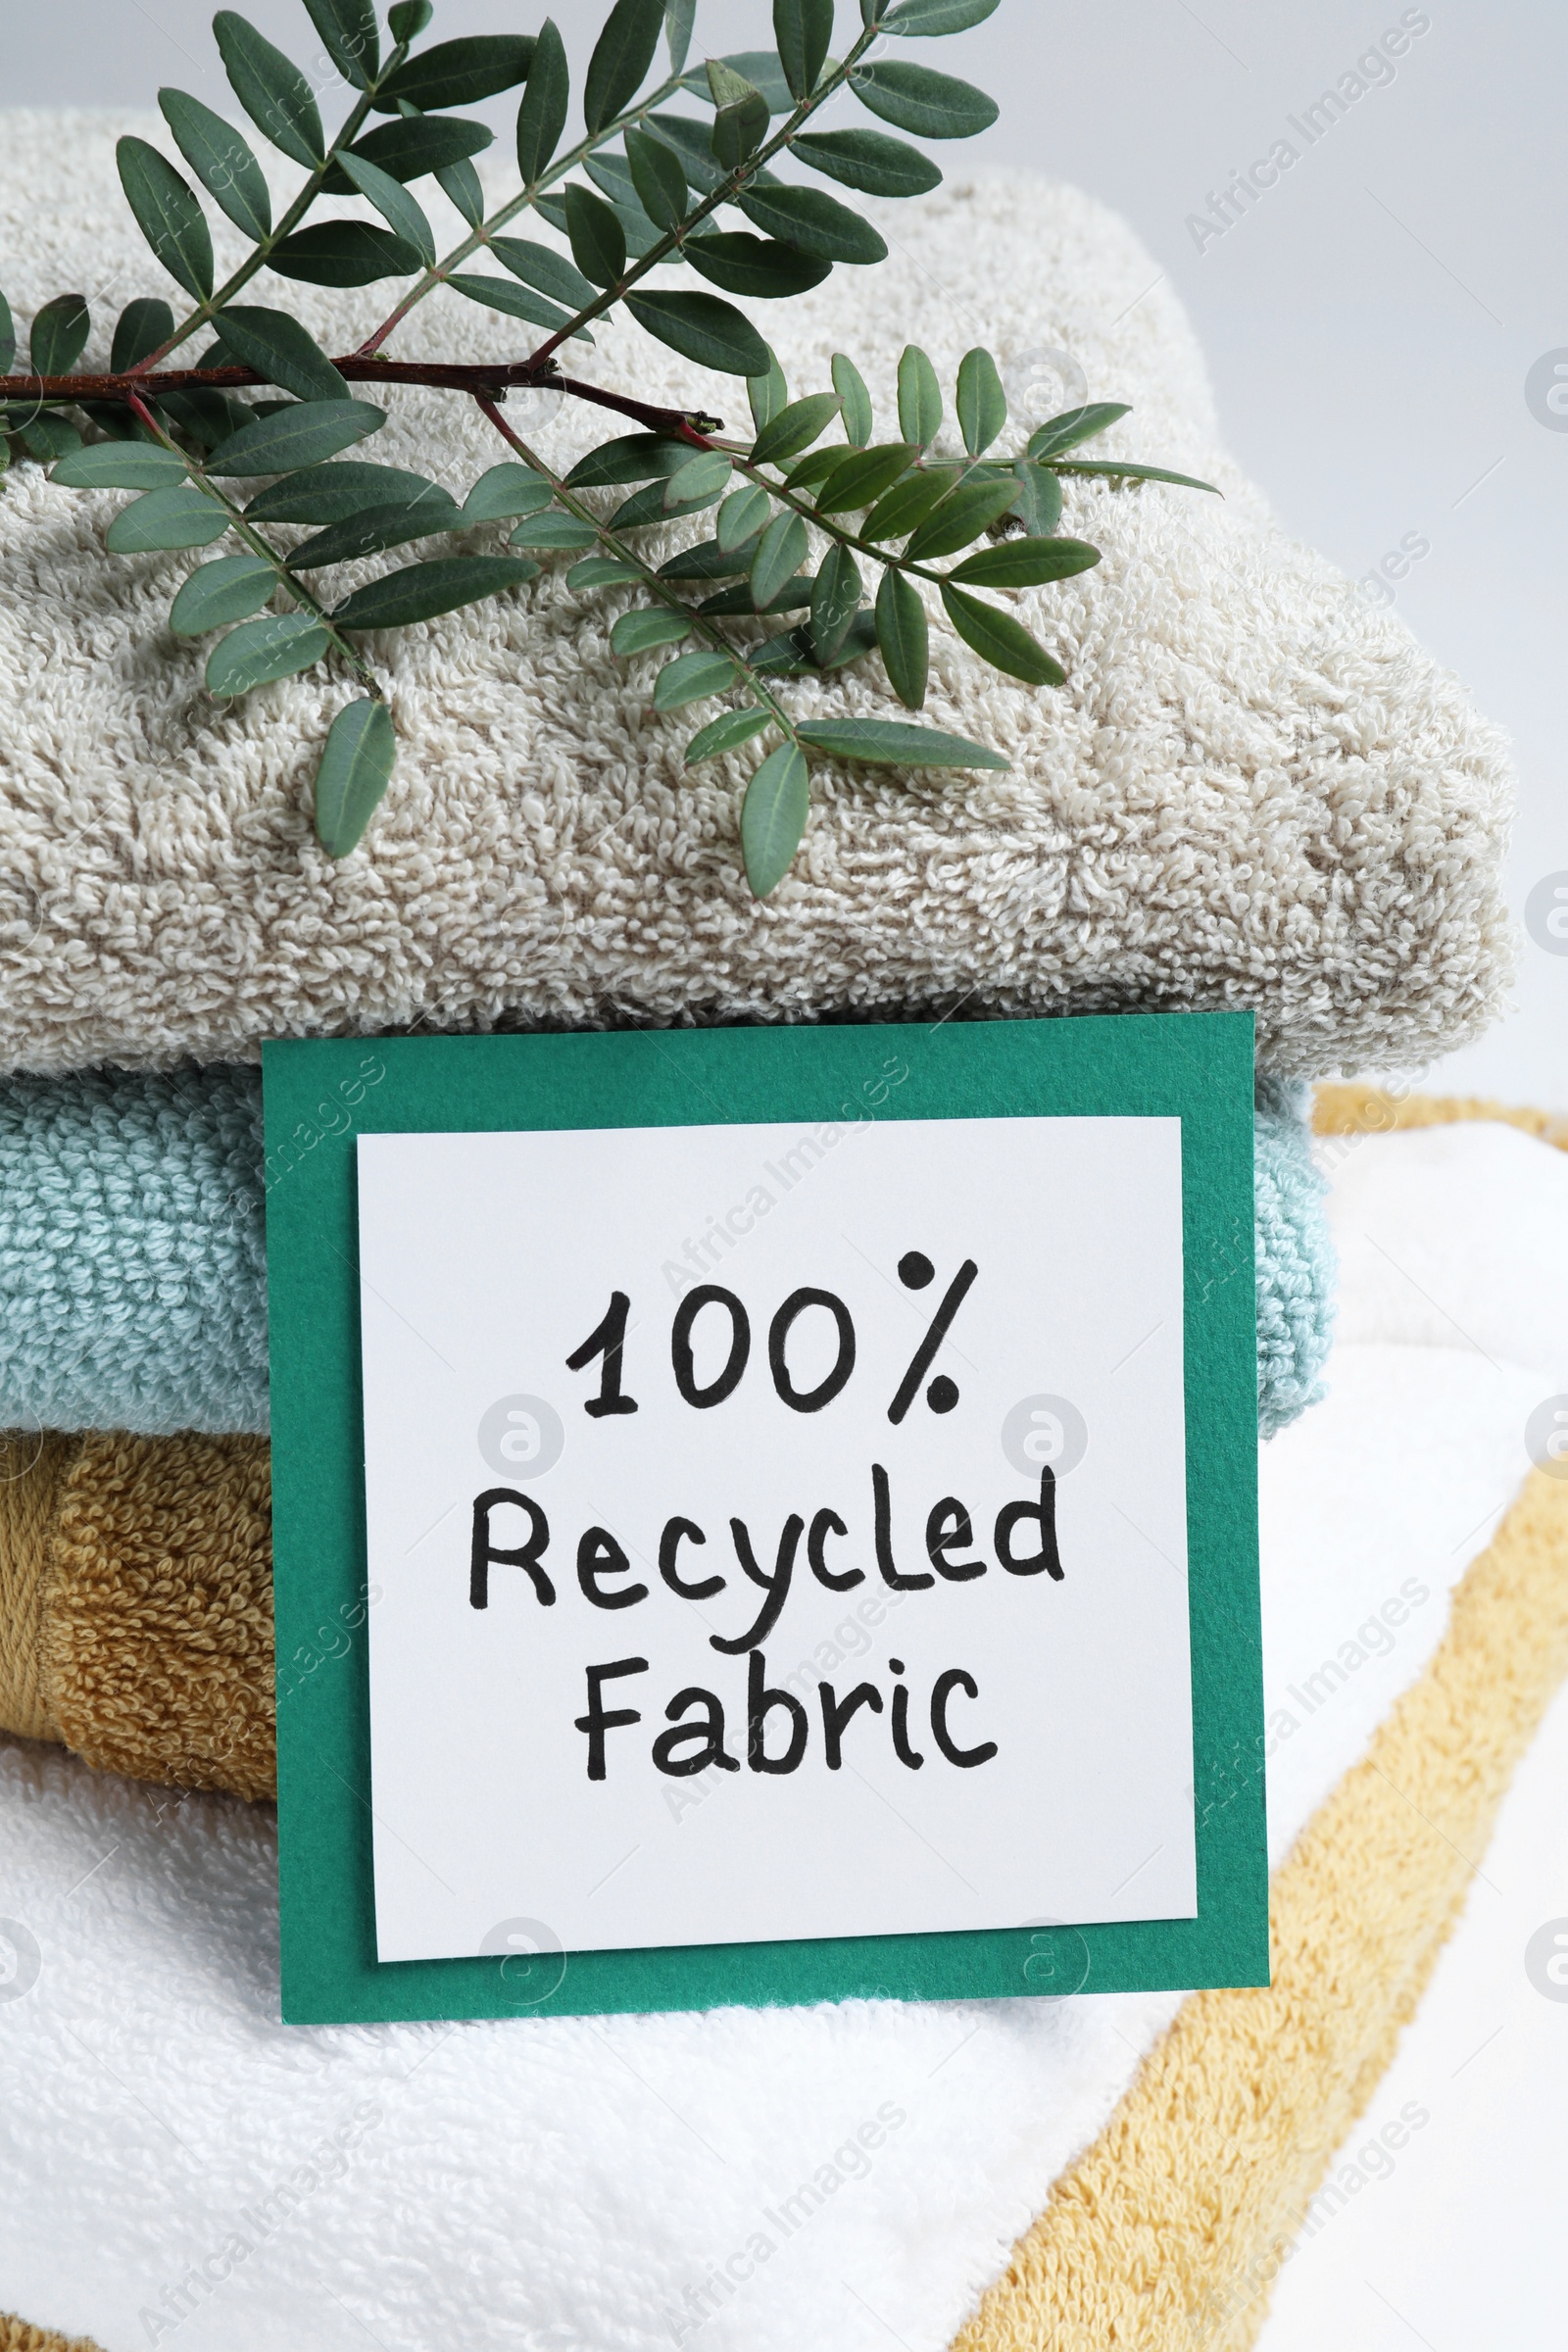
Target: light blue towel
point(133, 1270)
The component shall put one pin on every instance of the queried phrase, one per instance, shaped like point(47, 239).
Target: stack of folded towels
point(1255, 792)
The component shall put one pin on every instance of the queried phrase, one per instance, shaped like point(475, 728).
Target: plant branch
point(481, 236)
point(727, 189)
point(296, 213)
point(661, 588)
point(685, 423)
point(259, 545)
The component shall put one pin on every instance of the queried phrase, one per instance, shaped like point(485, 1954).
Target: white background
point(486, 1259)
point(1369, 327)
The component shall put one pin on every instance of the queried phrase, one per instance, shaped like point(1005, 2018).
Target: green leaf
point(908, 503)
point(327, 492)
point(639, 632)
point(813, 469)
point(835, 600)
point(621, 57)
point(220, 592)
point(1112, 469)
point(769, 272)
point(542, 115)
point(281, 353)
point(801, 30)
point(259, 650)
point(411, 148)
point(421, 591)
point(222, 160)
point(773, 817)
point(179, 516)
point(928, 17)
point(598, 239)
point(601, 571)
point(860, 478)
point(741, 123)
point(960, 518)
point(406, 20)
point(702, 328)
point(934, 106)
point(759, 68)
point(679, 17)
point(458, 72)
point(119, 466)
point(706, 477)
point(610, 176)
point(645, 507)
point(815, 222)
point(112, 417)
point(553, 531)
point(849, 385)
point(632, 458)
point(692, 676)
point(397, 207)
point(505, 491)
point(731, 602)
point(767, 391)
point(724, 733)
point(1074, 426)
point(1026, 562)
point(1038, 504)
point(780, 552)
point(350, 39)
point(59, 335)
point(376, 528)
point(354, 769)
point(658, 177)
point(514, 302)
point(904, 637)
point(46, 434)
point(709, 561)
point(982, 402)
point(920, 397)
point(8, 336)
point(206, 418)
point(273, 92)
point(343, 253)
point(892, 742)
point(1000, 639)
point(693, 142)
point(302, 433)
point(794, 428)
point(537, 266)
point(867, 159)
point(742, 516)
point(460, 185)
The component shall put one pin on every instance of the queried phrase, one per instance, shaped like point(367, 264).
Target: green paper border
point(1195, 1066)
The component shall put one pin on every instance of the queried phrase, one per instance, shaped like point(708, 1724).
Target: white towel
point(547, 2185)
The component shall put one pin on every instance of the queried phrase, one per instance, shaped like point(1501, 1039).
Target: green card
point(764, 1515)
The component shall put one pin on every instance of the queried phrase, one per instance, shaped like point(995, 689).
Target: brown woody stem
point(495, 381)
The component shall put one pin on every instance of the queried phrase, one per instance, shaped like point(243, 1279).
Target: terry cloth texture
point(397, 2170)
point(138, 1598)
point(1170, 2232)
point(1254, 791)
point(1362, 1110)
point(133, 1257)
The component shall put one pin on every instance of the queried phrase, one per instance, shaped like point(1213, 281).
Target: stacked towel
point(133, 1273)
point(1253, 791)
point(172, 2157)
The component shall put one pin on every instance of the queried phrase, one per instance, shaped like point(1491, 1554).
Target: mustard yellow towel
point(136, 1604)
